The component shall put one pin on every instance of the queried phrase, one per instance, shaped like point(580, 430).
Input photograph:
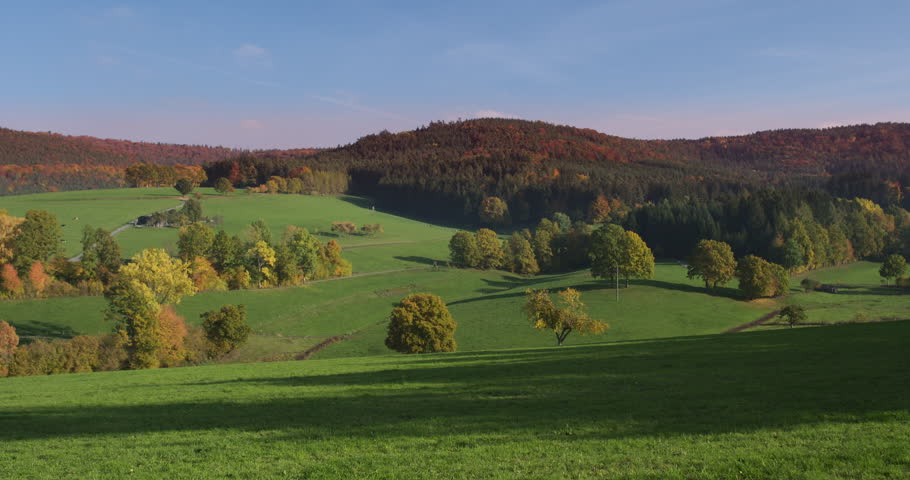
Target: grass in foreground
point(804, 403)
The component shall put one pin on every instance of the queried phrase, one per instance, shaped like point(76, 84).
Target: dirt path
point(754, 323)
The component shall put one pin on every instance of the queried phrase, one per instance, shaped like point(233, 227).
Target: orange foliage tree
point(171, 332)
point(38, 278)
point(10, 284)
point(8, 343)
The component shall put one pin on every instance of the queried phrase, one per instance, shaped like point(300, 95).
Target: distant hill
point(811, 150)
point(468, 159)
point(446, 168)
point(34, 148)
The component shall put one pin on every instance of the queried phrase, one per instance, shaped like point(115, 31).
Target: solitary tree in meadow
point(893, 267)
point(569, 316)
point(184, 186)
point(226, 329)
point(793, 314)
point(421, 323)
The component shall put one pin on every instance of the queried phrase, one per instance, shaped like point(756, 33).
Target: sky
point(290, 74)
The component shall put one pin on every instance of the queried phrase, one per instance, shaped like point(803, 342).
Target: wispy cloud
point(249, 54)
point(202, 67)
point(504, 57)
point(119, 12)
point(348, 101)
point(250, 50)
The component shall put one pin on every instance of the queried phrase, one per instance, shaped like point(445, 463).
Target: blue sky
point(295, 74)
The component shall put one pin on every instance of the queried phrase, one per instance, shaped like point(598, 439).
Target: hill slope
point(803, 403)
point(445, 169)
point(37, 148)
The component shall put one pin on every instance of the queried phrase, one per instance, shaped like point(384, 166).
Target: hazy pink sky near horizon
point(261, 130)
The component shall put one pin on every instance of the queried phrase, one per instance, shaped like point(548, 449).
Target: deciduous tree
point(184, 186)
point(463, 250)
point(38, 279)
point(569, 316)
point(8, 343)
point(37, 240)
point(489, 249)
point(713, 262)
point(421, 323)
point(614, 250)
point(261, 258)
point(10, 284)
point(793, 314)
point(494, 211)
point(520, 255)
point(226, 329)
point(893, 267)
point(600, 210)
point(100, 254)
point(760, 278)
point(223, 186)
point(195, 240)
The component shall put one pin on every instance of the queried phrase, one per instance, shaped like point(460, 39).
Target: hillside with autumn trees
point(446, 169)
point(44, 161)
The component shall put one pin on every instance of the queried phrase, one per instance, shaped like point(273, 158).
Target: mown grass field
point(806, 403)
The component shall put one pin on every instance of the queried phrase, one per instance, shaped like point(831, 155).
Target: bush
point(226, 329)
point(810, 285)
point(184, 186)
point(421, 323)
point(223, 185)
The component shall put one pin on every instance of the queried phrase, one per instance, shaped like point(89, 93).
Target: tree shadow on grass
point(490, 294)
point(43, 329)
point(697, 385)
point(421, 260)
point(725, 292)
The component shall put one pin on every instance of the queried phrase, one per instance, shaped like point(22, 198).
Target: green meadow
point(486, 305)
point(108, 209)
point(806, 403)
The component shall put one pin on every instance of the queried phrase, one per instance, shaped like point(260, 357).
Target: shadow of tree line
point(682, 386)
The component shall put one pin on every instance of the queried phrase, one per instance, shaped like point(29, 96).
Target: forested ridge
point(445, 169)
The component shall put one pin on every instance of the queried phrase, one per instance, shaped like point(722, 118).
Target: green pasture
point(807, 403)
point(486, 305)
point(108, 209)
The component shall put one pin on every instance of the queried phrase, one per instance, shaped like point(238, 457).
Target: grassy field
point(860, 295)
point(404, 243)
point(487, 306)
point(106, 209)
point(799, 404)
